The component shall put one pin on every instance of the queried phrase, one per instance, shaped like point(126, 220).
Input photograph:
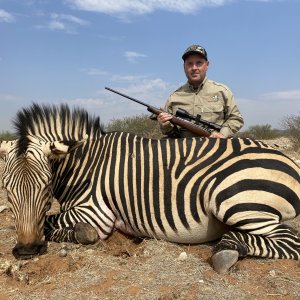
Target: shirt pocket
point(213, 112)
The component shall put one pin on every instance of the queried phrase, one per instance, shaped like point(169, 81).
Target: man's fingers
point(164, 117)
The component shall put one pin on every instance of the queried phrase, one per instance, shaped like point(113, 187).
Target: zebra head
point(27, 178)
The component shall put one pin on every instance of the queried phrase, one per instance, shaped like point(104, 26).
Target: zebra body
point(143, 198)
point(190, 190)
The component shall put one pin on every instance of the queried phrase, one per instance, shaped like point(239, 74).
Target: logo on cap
point(194, 49)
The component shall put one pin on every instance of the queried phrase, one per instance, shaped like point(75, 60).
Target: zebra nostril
point(27, 251)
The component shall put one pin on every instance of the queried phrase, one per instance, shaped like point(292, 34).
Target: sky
point(68, 51)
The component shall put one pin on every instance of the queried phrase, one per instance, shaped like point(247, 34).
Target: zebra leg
point(80, 233)
point(281, 242)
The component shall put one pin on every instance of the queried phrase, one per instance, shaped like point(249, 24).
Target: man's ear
point(5, 146)
point(59, 149)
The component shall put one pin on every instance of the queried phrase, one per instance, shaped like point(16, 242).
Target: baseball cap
point(194, 49)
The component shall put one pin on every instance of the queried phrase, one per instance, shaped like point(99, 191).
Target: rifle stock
point(196, 129)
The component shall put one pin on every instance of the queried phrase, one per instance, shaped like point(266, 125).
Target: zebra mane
point(50, 123)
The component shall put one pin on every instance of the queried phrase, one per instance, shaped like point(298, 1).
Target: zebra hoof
point(223, 260)
point(85, 234)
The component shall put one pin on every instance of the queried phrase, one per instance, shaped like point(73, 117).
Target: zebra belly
point(208, 229)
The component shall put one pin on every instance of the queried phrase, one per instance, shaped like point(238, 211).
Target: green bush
point(7, 136)
point(140, 125)
point(291, 124)
point(261, 132)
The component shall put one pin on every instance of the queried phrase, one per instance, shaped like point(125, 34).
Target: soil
point(127, 268)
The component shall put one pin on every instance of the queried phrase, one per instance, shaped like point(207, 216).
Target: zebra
point(236, 192)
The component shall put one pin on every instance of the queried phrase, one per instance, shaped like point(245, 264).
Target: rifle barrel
point(175, 120)
point(128, 97)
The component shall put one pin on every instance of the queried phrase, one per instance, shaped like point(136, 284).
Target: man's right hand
point(164, 119)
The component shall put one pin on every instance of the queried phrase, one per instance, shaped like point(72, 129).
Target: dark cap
point(194, 49)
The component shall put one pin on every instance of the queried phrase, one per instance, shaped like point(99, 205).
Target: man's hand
point(164, 119)
point(216, 134)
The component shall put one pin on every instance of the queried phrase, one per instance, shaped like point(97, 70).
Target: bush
point(7, 136)
point(260, 132)
point(140, 125)
point(291, 124)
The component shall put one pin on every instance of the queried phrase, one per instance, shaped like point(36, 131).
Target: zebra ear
point(59, 149)
point(5, 146)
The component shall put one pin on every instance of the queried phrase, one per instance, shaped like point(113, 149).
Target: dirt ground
point(125, 268)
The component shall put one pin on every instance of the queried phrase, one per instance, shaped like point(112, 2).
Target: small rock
point(272, 273)
point(182, 256)
point(62, 253)
point(5, 266)
point(146, 253)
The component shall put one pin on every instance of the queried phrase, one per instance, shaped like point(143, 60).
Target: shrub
point(261, 132)
point(7, 136)
point(291, 124)
point(140, 125)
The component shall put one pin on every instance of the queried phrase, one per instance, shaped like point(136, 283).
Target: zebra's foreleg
point(281, 242)
point(80, 233)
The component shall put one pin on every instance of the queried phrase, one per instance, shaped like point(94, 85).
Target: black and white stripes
point(182, 190)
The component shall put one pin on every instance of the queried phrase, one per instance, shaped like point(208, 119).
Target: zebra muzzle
point(27, 251)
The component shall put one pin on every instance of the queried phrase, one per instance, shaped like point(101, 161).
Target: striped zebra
point(235, 191)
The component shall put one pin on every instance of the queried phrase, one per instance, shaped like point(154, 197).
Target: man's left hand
point(216, 134)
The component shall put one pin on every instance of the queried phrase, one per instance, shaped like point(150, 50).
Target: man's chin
point(195, 82)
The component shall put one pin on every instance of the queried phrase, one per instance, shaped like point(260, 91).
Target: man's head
point(194, 49)
point(195, 64)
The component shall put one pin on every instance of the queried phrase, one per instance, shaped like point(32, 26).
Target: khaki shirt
point(213, 101)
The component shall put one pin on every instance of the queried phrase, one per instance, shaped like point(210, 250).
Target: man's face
point(195, 67)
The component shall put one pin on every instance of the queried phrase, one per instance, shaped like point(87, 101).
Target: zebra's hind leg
point(281, 242)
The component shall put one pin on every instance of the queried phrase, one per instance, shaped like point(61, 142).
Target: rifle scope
point(182, 113)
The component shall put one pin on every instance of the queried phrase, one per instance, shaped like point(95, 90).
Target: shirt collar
point(191, 88)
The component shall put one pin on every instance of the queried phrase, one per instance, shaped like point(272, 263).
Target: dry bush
point(260, 132)
point(140, 125)
point(291, 124)
point(7, 136)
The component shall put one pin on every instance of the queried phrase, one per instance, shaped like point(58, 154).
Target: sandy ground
point(126, 268)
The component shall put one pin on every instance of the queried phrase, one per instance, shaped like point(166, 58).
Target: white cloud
point(283, 95)
point(133, 56)
point(69, 19)
point(128, 78)
point(86, 102)
point(6, 16)
point(270, 108)
point(94, 72)
point(8, 98)
point(144, 6)
point(63, 22)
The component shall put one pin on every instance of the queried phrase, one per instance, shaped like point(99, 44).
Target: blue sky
point(67, 51)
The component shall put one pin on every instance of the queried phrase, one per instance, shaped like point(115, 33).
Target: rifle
point(182, 113)
point(181, 120)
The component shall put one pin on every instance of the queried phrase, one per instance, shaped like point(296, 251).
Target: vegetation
point(140, 125)
point(291, 124)
point(261, 132)
point(7, 136)
point(143, 126)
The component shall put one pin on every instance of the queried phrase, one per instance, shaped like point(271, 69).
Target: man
point(212, 100)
